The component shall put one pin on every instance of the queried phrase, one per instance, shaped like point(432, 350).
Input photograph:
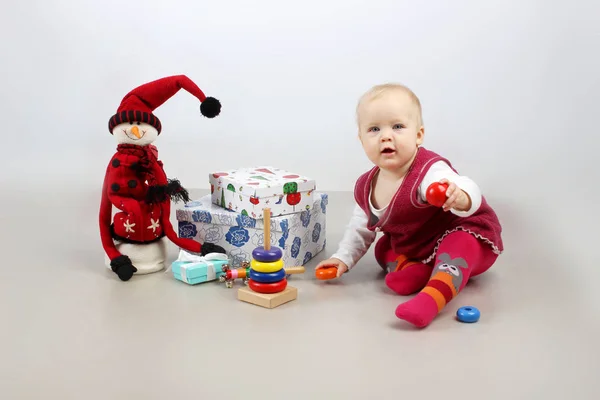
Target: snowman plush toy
point(135, 183)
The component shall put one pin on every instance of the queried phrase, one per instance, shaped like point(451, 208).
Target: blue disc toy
point(468, 314)
point(267, 256)
point(267, 277)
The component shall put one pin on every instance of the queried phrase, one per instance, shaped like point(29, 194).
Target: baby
point(424, 248)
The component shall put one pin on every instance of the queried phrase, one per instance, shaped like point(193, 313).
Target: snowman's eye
point(138, 122)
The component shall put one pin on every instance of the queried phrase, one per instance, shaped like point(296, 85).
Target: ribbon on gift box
point(192, 260)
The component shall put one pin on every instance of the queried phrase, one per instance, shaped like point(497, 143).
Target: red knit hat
point(137, 105)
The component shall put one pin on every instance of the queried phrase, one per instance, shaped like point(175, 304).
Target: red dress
point(415, 228)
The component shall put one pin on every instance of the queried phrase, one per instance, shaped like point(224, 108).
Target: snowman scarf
point(147, 164)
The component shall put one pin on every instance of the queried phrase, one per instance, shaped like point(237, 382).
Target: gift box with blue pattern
point(301, 235)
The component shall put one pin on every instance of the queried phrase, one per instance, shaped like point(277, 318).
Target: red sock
point(408, 277)
point(458, 253)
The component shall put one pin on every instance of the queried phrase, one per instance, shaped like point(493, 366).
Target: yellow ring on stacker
point(259, 266)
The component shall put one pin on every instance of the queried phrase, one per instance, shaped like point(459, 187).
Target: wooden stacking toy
point(267, 281)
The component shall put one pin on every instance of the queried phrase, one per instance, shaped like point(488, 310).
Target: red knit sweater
point(416, 228)
point(136, 184)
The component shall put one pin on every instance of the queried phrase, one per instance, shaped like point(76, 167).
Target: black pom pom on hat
point(210, 107)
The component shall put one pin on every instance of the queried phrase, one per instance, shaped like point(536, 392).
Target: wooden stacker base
point(267, 300)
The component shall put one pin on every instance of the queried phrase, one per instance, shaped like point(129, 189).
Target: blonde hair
point(377, 90)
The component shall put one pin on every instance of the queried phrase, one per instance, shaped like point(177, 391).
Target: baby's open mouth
point(387, 151)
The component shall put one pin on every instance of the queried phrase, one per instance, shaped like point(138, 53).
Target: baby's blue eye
point(398, 126)
point(374, 129)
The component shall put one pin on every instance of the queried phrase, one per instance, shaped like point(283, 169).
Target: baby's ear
point(421, 135)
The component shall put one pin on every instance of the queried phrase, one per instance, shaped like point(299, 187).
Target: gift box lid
point(262, 181)
point(204, 211)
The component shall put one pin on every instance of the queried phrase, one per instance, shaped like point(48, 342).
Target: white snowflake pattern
point(128, 226)
point(154, 224)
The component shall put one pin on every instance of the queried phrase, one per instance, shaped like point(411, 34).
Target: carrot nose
point(135, 131)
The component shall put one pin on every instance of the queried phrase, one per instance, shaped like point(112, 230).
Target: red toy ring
point(274, 287)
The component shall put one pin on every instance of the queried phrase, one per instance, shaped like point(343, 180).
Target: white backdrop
point(515, 81)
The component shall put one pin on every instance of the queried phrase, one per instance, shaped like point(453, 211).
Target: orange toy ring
point(274, 287)
point(326, 273)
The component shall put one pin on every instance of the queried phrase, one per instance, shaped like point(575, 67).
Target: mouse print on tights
point(453, 267)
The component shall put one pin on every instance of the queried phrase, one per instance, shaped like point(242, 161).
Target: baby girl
point(424, 248)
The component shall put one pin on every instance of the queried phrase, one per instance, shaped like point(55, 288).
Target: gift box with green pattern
point(249, 190)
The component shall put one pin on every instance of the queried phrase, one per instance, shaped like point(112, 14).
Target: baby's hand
point(457, 198)
point(333, 262)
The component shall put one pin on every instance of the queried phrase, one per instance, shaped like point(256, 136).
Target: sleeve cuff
point(356, 240)
point(441, 170)
point(470, 188)
point(346, 259)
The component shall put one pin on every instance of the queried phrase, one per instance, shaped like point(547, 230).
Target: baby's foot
point(411, 278)
point(436, 294)
point(419, 311)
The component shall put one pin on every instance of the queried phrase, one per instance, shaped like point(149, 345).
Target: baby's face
point(390, 130)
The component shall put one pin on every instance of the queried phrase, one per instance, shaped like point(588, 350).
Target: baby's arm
point(356, 240)
point(440, 170)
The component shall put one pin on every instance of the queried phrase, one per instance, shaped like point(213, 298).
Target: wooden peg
point(267, 228)
point(294, 270)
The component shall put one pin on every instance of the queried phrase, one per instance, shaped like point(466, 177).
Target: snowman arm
point(105, 218)
point(190, 245)
point(169, 189)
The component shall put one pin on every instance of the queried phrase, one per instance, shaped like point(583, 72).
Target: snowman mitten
point(211, 248)
point(123, 267)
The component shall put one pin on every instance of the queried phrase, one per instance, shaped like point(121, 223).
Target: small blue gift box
point(193, 269)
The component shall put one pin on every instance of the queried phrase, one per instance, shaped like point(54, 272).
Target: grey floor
point(71, 330)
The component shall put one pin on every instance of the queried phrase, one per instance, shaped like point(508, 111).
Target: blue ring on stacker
point(266, 256)
point(468, 314)
point(267, 277)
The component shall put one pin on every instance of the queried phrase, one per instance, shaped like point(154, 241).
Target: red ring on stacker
point(274, 287)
